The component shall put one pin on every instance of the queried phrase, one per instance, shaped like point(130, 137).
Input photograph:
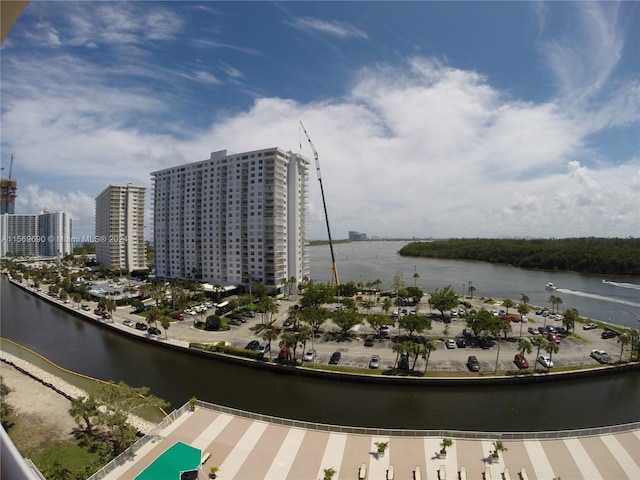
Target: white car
point(545, 361)
point(601, 356)
point(127, 323)
point(309, 356)
point(450, 343)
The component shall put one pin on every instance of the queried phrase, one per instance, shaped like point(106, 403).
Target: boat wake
point(622, 284)
point(599, 297)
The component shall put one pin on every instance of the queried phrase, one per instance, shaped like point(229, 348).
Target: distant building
point(45, 234)
point(357, 236)
point(120, 227)
point(8, 190)
point(232, 216)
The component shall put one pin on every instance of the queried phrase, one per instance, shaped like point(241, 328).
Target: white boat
point(550, 286)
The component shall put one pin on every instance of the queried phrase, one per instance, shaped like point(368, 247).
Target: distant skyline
point(431, 119)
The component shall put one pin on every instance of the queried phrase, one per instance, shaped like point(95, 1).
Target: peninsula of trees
point(604, 256)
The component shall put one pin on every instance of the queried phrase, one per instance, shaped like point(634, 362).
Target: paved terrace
point(268, 448)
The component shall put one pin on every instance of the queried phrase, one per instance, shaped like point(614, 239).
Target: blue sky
point(463, 119)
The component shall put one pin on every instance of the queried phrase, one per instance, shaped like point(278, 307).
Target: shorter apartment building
point(120, 227)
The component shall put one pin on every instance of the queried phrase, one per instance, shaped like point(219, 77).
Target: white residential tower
point(120, 227)
point(231, 217)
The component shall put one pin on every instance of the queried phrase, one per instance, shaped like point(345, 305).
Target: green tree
point(266, 306)
point(386, 305)
point(524, 345)
point(212, 323)
point(508, 303)
point(316, 294)
point(415, 351)
point(290, 340)
point(623, 339)
point(443, 300)
point(118, 403)
point(345, 320)
point(429, 347)
point(165, 323)
point(304, 334)
point(153, 316)
point(551, 347)
point(569, 319)
point(315, 316)
point(379, 320)
point(269, 335)
point(415, 324)
point(85, 409)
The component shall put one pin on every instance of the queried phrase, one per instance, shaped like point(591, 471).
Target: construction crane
point(8, 191)
point(334, 267)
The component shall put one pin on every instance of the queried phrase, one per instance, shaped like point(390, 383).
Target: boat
point(550, 286)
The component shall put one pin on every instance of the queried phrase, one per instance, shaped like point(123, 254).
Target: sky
point(430, 119)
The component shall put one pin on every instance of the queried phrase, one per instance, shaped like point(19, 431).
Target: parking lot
point(573, 350)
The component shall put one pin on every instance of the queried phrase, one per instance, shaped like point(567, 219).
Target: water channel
point(80, 346)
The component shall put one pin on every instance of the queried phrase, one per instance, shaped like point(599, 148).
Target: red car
point(553, 337)
point(520, 361)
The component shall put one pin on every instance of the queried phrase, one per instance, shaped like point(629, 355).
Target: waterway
point(86, 348)
point(617, 301)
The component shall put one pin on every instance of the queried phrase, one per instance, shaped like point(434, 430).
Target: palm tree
point(623, 339)
point(153, 315)
point(551, 347)
point(429, 347)
point(416, 276)
point(569, 319)
point(398, 348)
point(523, 309)
point(415, 350)
point(165, 323)
point(292, 282)
point(304, 334)
point(472, 290)
point(537, 341)
point(508, 303)
point(524, 299)
point(524, 345)
point(269, 336)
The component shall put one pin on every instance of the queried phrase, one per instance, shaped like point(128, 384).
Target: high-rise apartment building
point(231, 217)
point(120, 227)
point(45, 234)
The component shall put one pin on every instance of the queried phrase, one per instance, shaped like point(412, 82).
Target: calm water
point(617, 301)
point(80, 346)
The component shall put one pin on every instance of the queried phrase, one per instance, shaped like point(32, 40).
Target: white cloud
point(333, 28)
point(416, 149)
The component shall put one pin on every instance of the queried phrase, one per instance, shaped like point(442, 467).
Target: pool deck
point(247, 449)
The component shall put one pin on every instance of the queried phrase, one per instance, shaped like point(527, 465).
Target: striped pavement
point(247, 449)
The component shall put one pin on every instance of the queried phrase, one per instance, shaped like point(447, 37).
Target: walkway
point(250, 449)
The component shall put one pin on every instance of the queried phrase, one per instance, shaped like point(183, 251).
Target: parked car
point(264, 348)
point(154, 331)
point(520, 361)
point(86, 307)
point(253, 345)
point(287, 323)
point(532, 331)
point(249, 314)
point(374, 362)
point(403, 363)
point(589, 326)
point(235, 322)
point(608, 333)
point(141, 326)
point(545, 361)
point(309, 356)
point(553, 337)
point(450, 343)
point(368, 341)
point(486, 342)
point(385, 331)
point(335, 358)
point(461, 343)
point(473, 364)
point(601, 356)
point(127, 323)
